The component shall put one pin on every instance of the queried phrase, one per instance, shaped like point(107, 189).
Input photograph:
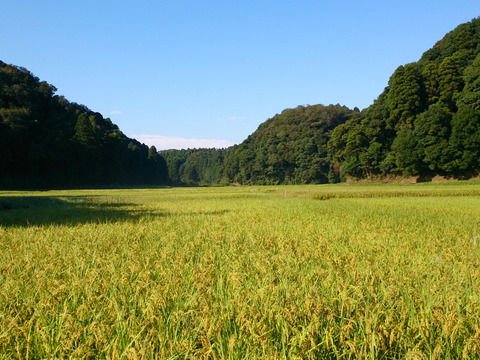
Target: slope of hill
point(291, 147)
point(48, 141)
point(427, 120)
point(425, 123)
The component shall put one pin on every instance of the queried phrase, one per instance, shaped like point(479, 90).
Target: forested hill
point(291, 147)
point(427, 120)
point(48, 141)
point(425, 123)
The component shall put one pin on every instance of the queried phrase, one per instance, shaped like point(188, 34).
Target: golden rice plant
point(307, 272)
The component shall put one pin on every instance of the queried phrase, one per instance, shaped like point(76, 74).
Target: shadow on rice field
point(51, 210)
point(24, 211)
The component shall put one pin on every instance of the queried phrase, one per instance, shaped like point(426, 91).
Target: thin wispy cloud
point(236, 118)
point(115, 112)
point(172, 142)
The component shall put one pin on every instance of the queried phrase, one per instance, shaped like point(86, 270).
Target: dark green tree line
point(290, 148)
point(425, 123)
point(48, 141)
point(195, 166)
point(416, 127)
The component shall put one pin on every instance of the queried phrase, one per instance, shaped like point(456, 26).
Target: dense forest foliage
point(425, 123)
point(49, 141)
point(427, 120)
point(194, 166)
point(291, 147)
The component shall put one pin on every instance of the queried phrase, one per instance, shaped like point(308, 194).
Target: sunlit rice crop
point(325, 272)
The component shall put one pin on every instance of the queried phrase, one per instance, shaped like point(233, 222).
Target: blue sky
point(206, 73)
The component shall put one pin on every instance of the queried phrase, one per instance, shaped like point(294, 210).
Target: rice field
point(294, 272)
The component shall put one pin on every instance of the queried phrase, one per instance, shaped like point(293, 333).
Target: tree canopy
point(48, 141)
point(291, 147)
point(425, 123)
point(417, 126)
